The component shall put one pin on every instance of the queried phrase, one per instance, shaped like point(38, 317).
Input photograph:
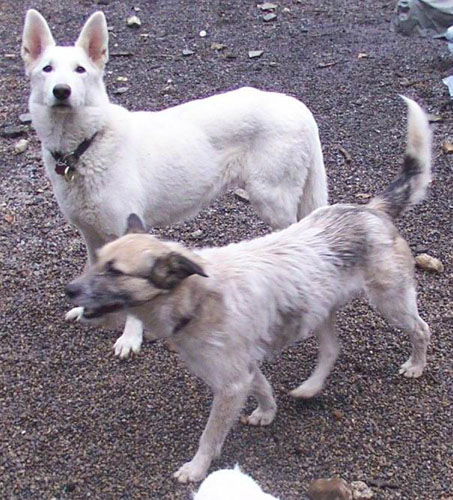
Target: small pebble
point(361, 491)
point(269, 17)
point(241, 194)
point(134, 22)
point(267, 6)
point(121, 90)
point(25, 118)
point(197, 234)
point(255, 53)
point(329, 489)
point(20, 146)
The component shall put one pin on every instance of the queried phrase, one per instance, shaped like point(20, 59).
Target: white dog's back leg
point(261, 390)
point(329, 348)
point(275, 206)
point(314, 194)
point(290, 183)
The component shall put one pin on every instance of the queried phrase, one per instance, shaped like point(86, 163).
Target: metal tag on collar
point(69, 173)
point(66, 166)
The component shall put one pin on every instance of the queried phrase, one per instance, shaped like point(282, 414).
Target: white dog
point(226, 309)
point(104, 161)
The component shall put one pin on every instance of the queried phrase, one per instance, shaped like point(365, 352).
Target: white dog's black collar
point(66, 162)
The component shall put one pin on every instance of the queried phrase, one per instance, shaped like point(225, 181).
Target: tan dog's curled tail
point(412, 182)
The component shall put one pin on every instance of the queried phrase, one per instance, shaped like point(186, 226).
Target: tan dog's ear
point(169, 270)
point(94, 39)
point(36, 38)
point(134, 225)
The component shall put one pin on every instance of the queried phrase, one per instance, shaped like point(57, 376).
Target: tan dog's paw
point(411, 370)
point(259, 417)
point(190, 472)
point(127, 345)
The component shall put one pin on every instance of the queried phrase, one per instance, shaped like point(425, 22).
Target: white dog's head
point(65, 78)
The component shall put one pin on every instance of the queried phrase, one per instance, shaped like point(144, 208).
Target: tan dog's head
point(131, 271)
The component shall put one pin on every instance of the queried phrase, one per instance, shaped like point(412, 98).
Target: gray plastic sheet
point(427, 18)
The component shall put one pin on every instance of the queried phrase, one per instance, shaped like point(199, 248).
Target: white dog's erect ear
point(170, 269)
point(94, 39)
point(36, 38)
point(135, 225)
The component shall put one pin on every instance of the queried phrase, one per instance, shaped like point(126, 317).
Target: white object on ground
point(230, 484)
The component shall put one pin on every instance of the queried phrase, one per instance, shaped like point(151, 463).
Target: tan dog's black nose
point(73, 290)
point(62, 91)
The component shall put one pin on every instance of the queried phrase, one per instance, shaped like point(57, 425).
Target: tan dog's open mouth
point(97, 312)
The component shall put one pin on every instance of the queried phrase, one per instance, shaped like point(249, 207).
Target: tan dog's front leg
point(225, 410)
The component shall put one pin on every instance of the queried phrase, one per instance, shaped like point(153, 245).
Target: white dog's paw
point(411, 370)
point(259, 417)
point(190, 472)
point(75, 314)
point(306, 390)
point(127, 344)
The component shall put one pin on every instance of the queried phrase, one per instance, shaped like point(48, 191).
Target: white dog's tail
point(412, 182)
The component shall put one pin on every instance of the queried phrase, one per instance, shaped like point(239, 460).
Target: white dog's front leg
point(131, 339)
point(225, 410)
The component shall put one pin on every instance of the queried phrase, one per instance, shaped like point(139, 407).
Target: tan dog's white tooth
point(75, 314)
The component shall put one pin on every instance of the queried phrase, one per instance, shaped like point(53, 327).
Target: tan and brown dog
point(226, 309)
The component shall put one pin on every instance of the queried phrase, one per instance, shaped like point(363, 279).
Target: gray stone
point(269, 17)
point(12, 131)
point(121, 90)
point(187, 52)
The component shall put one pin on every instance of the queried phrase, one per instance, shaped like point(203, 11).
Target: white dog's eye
point(80, 69)
point(47, 69)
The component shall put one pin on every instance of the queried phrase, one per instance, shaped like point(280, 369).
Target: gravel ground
point(76, 422)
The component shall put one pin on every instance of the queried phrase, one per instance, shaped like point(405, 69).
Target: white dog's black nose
point(62, 91)
point(73, 290)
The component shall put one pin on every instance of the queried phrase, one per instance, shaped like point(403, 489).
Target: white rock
point(255, 53)
point(20, 146)
point(197, 234)
point(134, 22)
point(267, 6)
